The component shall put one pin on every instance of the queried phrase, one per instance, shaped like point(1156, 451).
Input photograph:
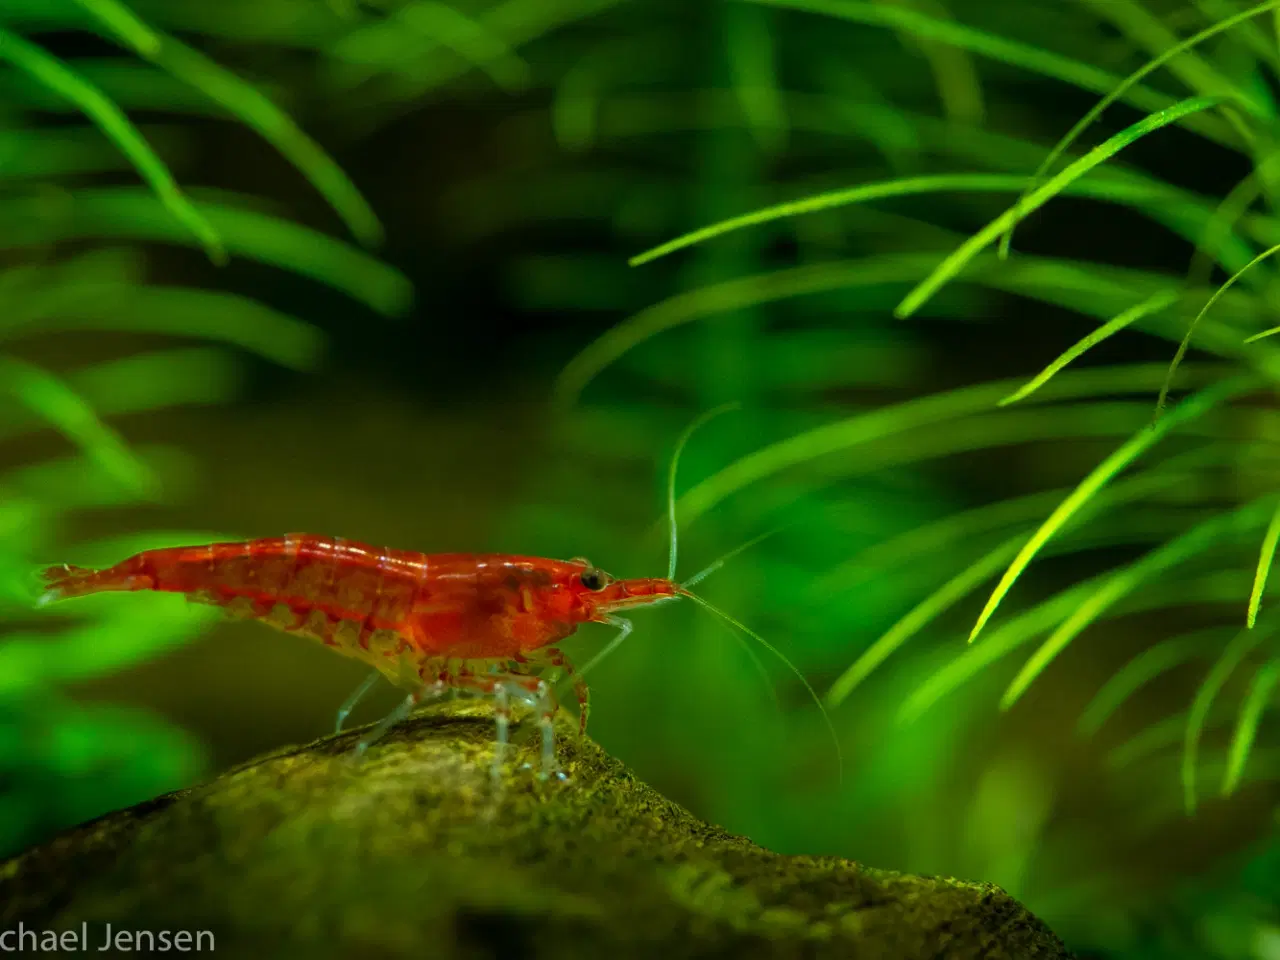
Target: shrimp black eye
point(593, 579)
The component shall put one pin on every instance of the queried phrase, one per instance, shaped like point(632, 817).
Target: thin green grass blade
point(1027, 276)
point(1255, 703)
point(194, 313)
point(1152, 65)
point(1003, 640)
point(1265, 556)
point(1186, 340)
point(1270, 332)
point(1166, 733)
point(955, 79)
point(1216, 587)
point(985, 432)
point(979, 571)
point(104, 645)
point(159, 378)
point(1141, 670)
point(250, 106)
point(57, 76)
point(932, 538)
point(943, 534)
point(68, 412)
point(130, 213)
point(1251, 35)
point(471, 39)
point(1196, 406)
point(1136, 193)
point(1153, 304)
point(924, 411)
point(1163, 807)
point(734, 294)
point(1156, 32)
point(907, 186)
point(402, 41)
point(1121, 584)
point(955, 589)
point(1241, 645)
point(750, 47)
point(122, 21)
point(1157, 35)
point(574, 107)
point(34, 155)
point(145, 382)
point(1001, 49)
point(1101, 291)
point(131, 84)
point(70, 483)
point(1219, 231)
point(957, 260)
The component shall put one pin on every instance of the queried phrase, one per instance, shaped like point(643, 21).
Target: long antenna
point(725, 558)
point(698, 578)
point(813, 694)
point(671, 475)
point(671, 518)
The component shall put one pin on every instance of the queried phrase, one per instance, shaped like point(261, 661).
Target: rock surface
point(304, 853)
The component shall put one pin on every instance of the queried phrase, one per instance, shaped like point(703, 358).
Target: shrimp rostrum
point(430, 623)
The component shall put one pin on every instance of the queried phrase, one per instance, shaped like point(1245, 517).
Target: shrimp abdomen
point(346, 580)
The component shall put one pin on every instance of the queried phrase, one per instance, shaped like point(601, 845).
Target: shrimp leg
point(540, 693)
point(501, 686)
point(431, 691)
point(349, 704)
point(556, 658)
point(624, 630)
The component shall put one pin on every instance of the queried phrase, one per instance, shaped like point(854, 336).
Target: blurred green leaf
point(120, 635)
point(55, 75)
point(248, 105)
point(132, 214)
point(61, 407)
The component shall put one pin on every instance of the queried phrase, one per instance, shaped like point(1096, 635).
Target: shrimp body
point(425, 621)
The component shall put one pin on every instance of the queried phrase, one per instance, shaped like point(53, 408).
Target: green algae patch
point(409, 853)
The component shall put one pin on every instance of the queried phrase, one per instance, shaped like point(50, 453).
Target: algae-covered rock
point(305, 853)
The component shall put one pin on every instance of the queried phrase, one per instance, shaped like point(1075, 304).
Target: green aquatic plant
point(1162, 461)
point(70, 263)
point(817, 161)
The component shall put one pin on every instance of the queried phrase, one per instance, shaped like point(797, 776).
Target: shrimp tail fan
point(66, 580)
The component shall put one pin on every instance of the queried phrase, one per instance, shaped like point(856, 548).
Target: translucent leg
point(429, 692)
point(556, 658)
point(502, 687)
point(349, 704)
point(541, 695)
point(502, 721)
point(624, 630)
point(546, 720)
